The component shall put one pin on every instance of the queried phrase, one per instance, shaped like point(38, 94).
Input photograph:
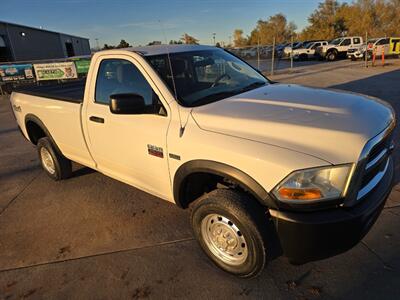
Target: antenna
point(182, 128)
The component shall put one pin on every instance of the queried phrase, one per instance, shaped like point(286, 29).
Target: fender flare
point(33, 118)
point(332, 50)
point(244, 180)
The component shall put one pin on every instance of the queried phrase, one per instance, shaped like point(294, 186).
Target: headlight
point(314, 184)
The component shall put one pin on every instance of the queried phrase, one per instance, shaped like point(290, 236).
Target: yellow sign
point(394, 46)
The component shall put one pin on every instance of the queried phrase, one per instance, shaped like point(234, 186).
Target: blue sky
point(139, 22)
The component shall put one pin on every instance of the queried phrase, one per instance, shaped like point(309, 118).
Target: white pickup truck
point(387, 45)
point(266, 168)
point(338, 47)
point(308, 50)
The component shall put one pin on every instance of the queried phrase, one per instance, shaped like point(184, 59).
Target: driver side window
point(316, 45)
point(117, 76)
point(346, 42)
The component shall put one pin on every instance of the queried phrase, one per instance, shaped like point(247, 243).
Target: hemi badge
point(155, 151)
point(174, 156)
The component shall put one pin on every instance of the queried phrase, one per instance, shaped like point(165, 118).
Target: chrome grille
point(375, 163)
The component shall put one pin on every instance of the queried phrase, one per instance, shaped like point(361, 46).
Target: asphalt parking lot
point(92, 237)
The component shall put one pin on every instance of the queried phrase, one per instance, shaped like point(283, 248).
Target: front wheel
point(231, 229)
point(303, 57)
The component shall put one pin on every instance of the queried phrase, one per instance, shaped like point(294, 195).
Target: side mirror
point(127, 104)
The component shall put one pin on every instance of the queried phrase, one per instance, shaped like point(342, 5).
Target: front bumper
point(355, 55)
point(308, 236)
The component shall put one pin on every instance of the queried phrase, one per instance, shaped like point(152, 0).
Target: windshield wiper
point(221, 95)
point(213, 97)
point(252, 86)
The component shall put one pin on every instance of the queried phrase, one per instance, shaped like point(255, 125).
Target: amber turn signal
point(300, 194)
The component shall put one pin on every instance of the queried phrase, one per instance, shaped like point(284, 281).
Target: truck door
point(345, 45)
point(379, 47)
point(386, 46)
point(128, 147)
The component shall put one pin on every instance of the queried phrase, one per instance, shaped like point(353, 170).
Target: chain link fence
point(273, 58)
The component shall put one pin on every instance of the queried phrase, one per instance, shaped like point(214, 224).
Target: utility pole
point(366, 50)
point(214, 34)
point(291, 55)
point(258, 53)
point(273, 57)
point(97, 43)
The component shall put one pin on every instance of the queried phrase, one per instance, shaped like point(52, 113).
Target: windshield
point(336, 41)
point(308, 45)
point(206, 76)
point(372, 41)
point(297, 45)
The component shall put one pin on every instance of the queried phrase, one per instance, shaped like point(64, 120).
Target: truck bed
point(70, 92)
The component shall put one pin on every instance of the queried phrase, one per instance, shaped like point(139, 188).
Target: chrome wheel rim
point(224, 239)
point(47, 160)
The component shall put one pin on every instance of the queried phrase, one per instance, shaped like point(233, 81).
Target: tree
point(106, 47)
point(188, 39)
point(123, 44)
point(378, 18)
point(291, 30)
point(276, 27)
point(173, 42)
point(154, 43)
point(238, 39)
point(326, 22)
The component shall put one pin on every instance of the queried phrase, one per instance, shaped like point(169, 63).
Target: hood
point(331, 125)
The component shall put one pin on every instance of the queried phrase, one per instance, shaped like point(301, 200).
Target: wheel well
point(197, 177)
point(35, 131)
point(332, 50)
point(197, 184)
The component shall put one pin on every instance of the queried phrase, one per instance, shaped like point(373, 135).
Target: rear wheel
point(231, 228)
point(56, 165)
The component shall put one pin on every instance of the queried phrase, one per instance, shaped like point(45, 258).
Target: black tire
point(303, 57)
point(247, 215)
point(62, 165)
point(331, 55)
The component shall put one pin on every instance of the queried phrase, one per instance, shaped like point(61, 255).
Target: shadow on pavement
point(82, 171)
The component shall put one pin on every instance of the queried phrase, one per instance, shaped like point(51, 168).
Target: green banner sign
point(82, 66)
point(55, 71)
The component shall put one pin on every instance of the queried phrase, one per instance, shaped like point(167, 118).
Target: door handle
point(96, 119)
